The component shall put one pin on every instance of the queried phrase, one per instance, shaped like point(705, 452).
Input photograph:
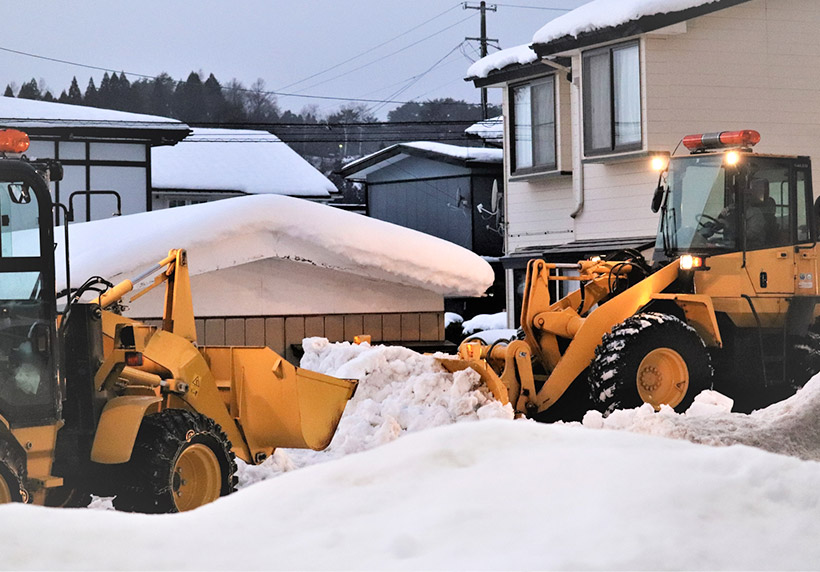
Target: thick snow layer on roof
point(600, 14)
point(491, 129)
point(230, 232)
point(253, 162)
point(499, 60)
point(29, 113)
point(479, 154)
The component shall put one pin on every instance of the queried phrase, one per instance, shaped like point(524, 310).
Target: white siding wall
point(538, 209)
point(752, 66)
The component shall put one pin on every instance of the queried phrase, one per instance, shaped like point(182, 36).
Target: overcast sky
point(281, 41)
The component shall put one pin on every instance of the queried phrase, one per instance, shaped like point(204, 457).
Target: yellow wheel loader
point(728, 302)
point(93, 402)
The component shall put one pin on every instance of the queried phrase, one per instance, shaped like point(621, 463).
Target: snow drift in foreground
point(495, 495)
point(231, 232)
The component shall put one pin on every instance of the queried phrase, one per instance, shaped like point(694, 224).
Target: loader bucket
point(275, 403)
point(488, 376)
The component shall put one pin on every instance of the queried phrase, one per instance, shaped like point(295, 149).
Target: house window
point(533, 114)
point(612, 99)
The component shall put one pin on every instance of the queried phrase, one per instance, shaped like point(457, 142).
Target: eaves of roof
point(632, 28)
point(400, 149)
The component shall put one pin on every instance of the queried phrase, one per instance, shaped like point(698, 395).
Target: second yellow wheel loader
point(91, 401)
point(729, 301)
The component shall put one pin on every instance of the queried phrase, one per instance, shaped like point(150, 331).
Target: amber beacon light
point(722, 140)
point(13, 141)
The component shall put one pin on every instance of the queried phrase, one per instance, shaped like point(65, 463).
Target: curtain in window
point(627, 87)
point(597, 102)
point(522, 110)
point(543, 118)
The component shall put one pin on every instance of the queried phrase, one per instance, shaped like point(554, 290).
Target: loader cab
point(29, 392)
point(724, 198)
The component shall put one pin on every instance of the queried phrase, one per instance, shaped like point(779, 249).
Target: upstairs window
point(533, 126)
point(612, 99)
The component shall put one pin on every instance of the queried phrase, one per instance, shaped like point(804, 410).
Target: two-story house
point(607, 86)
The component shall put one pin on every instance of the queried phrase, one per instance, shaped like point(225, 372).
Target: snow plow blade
point(275, 403)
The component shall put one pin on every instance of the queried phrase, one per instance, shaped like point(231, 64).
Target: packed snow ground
point(428, 491)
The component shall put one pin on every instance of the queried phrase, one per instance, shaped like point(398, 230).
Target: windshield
point(698, 212)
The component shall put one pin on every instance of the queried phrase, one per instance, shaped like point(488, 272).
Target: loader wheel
point(649, 358)
point(803, 360)
point(12, 475)
point(181, 461)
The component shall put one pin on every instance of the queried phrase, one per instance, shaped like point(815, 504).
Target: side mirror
point(19, 193)
point(657, 198)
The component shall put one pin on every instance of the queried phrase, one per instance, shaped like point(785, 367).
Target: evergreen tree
point(48, 97)
point(30, 90)
point(104, 92)
point(214, 100)
point(161, 96)
point(63, 97)
point(74, 95)
point(9, 92)
point(92, 96)
point(189, 100)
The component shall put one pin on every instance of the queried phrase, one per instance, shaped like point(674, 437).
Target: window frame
point(613, 148)
point(535, 168)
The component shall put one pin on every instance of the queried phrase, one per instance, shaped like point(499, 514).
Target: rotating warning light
point(725, 139)
point(689, 262)
point(13, 141)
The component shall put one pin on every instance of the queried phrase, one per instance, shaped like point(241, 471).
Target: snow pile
point(495, 495)
point(451, 318)
point(253, 162)
point(232, 232)
point(400, 391)
point(499, 60)
point(790, 427)
point(485, 322)
point(600, 14)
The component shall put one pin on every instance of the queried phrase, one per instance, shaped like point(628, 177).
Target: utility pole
point(484, 40)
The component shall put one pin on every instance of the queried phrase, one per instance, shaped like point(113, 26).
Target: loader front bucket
point(488, 376)
point(275, 403)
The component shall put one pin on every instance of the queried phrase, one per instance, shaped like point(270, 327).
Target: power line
point(535, 7)
point(222, 87)
point(391, 54)
point(331, 68)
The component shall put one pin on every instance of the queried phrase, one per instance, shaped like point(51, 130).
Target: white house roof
point(600, 14)
point(232, 232)
point(427, 149)
point(27, 113)
point(589, 18)
point(252, 162)
point(499, 60)
point(491, 129)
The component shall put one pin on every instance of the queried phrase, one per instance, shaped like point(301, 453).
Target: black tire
point(649, 358)
point(12, 474)
point(804, 360)
point(181, 460)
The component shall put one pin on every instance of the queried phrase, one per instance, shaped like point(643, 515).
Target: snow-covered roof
point(231, 232)
point(591, 18)
point(27, 114)
point(252, 162)
point(437, 151)
point(491, 129)
point(600, 14)
point(517, 55)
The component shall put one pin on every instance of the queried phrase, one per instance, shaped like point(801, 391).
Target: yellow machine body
point(259, 399)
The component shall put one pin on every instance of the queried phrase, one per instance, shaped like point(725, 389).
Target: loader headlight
point(689, 262)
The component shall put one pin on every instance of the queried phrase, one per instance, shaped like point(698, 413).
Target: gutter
point(577, 149)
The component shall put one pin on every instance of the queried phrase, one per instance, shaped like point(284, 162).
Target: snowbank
point(791, 427)
point(491, 129)
point(253, 162)
point(231, 232)
point(600, 14)
point(495, 495)
point(485, 322)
